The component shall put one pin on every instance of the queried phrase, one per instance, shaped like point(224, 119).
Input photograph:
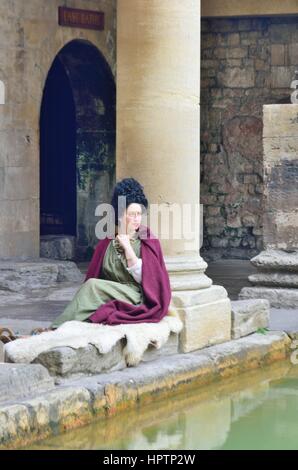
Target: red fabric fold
point(155, 283)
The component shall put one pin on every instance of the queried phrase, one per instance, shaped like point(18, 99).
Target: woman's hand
point(123, 239)
point(130, 255)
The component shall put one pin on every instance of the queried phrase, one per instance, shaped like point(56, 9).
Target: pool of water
point(255, 410)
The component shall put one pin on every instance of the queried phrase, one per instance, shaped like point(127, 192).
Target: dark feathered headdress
point(133, 192)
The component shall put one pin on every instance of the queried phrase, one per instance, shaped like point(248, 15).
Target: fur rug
point(76, 334)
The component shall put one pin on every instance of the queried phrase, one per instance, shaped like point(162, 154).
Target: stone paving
point(22, 315)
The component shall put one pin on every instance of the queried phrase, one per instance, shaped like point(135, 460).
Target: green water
point(255, 410)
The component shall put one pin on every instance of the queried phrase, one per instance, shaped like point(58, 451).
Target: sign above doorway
point(77, 18)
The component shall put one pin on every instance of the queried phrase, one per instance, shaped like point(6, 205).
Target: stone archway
point(58, 155)
point(77, 149)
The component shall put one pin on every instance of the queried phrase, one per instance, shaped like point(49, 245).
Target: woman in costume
point(127, 281)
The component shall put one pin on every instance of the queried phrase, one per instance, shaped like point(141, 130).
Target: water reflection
point(256, 410)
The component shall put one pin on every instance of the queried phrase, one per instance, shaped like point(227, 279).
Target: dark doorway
point(77, 148)
point(58, 207)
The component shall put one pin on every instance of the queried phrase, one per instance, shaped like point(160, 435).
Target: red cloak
point(155, 284)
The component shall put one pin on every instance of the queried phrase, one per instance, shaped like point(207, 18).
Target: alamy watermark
point(171, 221)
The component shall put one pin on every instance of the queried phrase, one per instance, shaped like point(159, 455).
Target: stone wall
point(30, 38)
point(246, 63)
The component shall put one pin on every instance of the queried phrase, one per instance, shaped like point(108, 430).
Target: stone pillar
point(277, 279)
point(158, 92)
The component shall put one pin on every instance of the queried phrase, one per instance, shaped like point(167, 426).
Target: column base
point(204, 309)
point(277, 279)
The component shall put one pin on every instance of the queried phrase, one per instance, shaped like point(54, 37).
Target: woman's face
point(132, 217)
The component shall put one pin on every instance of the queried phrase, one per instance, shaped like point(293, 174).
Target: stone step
point(41, 273)
point(275, 278)
point(278, 297)
point(248, 316)
point(23, 380)
point(61, 247)
point(67, 362)
point(276, 260)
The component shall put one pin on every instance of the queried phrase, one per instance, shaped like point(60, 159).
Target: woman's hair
point(133, 192)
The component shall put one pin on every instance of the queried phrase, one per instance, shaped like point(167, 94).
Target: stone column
point(277, 279)
point(158, 92)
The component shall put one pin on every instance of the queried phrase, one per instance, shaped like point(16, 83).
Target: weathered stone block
point(276, 260)
point(66, 361)
point(277, 54)
point(22, 380)
point(189, 298)
point(248, 316)
point(68, 271)
point(205, 325)
point(280, 219)
point(20, 276)
point(236, 52)
point(233, 62)
point(57, 247)
point(278, 279)
point(17, 276)
point(237, 77)
point(278, 297)
point(284, 237)
point(280, 120)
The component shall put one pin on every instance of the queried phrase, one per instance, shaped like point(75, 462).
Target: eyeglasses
point(131, 215)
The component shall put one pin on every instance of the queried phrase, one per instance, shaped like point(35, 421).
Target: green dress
point(116, 283)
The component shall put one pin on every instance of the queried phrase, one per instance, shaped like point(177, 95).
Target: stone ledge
point(61, 247)
point(278, 297)
point(276, 260)
point(78, 402)
point(66, 361)
point(274, 279)
point(40, 273)
point(20, 380)
point(189, 298)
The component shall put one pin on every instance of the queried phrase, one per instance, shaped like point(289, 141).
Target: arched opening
point(77, 149)
point(58, 205)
